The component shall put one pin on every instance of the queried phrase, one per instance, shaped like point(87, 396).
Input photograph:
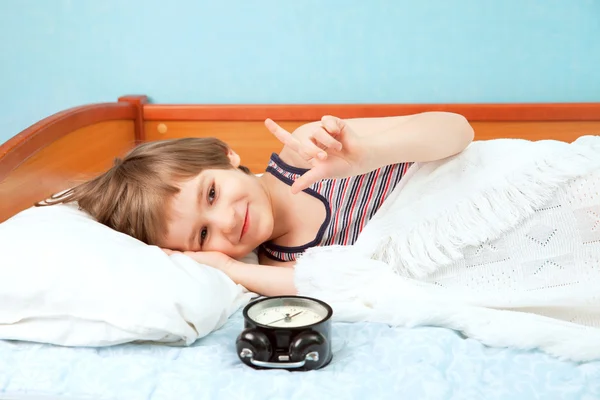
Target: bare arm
point(421, 137)
point(426, 136)
point(276, 279)
point(267, 280)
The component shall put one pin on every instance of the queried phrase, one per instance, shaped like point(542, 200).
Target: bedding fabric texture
point(370, 361)
point(500, 242)
point(68, 280)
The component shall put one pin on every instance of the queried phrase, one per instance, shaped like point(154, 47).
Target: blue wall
point(61, 53)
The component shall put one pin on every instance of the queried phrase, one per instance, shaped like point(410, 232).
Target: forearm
point(421, 137)
point(263, 279)
point(426, 136)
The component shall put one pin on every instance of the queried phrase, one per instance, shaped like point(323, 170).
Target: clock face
point(291, 312)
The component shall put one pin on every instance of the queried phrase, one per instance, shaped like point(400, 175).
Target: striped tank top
point(349, 203)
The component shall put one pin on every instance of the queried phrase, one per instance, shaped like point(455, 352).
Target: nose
point(224, 219)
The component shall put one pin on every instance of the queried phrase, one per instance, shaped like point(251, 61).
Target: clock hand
point(287, 316)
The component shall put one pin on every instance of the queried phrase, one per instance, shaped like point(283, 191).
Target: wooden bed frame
point(75, 144)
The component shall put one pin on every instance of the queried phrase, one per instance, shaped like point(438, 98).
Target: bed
point(370, 360)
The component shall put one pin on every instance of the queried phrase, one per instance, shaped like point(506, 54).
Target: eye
point(211, 194)
point(203, 234)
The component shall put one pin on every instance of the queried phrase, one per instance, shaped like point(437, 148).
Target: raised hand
point(332, 149)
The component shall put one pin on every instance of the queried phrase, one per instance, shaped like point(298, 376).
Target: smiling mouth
point(245, 226)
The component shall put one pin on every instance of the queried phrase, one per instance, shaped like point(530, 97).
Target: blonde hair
point(130, 197)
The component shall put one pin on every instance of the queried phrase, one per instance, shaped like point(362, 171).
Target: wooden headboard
point(75, 144)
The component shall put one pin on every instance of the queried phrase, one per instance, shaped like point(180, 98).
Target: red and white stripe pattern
point(351, 203)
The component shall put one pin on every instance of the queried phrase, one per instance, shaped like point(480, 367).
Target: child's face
point(219, 210)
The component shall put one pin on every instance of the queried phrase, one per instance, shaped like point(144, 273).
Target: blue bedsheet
point(371, 361)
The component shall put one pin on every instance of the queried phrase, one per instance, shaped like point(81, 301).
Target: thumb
point(311, 176)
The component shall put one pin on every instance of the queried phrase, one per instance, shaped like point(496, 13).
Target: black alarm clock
point(286, 332)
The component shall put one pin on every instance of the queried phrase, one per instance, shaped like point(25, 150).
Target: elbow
point(454, 133)
point(465, 132)
point(462, 133)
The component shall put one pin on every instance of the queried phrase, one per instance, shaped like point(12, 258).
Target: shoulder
point(292, 158)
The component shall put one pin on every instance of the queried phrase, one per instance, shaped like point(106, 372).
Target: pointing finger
point(284, 136)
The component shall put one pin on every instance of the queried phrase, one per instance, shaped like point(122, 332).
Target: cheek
point(173, 242)
point(175, 239)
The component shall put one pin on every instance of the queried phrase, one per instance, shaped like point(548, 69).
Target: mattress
point(371, 361)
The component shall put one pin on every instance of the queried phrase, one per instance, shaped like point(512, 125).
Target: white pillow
point(68, 280)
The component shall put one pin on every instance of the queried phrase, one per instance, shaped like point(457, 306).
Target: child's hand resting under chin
point(213, 259)
point(332, 148)
point(261, 279)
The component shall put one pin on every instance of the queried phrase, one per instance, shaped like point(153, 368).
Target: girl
point(193, 195)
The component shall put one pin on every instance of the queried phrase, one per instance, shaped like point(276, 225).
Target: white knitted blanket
point(501, 242)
